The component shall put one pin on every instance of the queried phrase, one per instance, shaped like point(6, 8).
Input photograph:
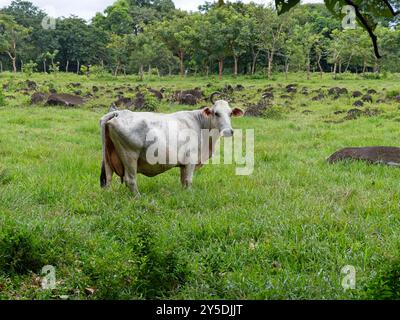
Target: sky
point(87, 8)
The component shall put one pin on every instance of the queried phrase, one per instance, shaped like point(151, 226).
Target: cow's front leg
point(130, 178)
point(187, 173)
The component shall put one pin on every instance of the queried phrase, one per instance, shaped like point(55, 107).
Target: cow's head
point(220, 116)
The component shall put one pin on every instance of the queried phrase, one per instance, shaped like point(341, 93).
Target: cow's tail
point(111, 159)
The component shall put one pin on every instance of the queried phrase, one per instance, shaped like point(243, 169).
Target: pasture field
point(284, 232)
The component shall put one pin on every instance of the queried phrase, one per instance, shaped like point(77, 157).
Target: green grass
point(283, 233)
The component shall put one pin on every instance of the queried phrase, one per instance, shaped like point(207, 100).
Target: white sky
point(88, 8)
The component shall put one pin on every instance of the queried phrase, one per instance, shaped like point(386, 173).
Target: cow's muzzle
point(227, 133)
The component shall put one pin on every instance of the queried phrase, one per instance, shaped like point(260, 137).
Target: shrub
point(29, 68)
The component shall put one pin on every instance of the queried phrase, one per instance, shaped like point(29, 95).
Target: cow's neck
point(204, 121)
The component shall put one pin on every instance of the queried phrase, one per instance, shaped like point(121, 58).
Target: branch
point(367, 27)
point(394, 13)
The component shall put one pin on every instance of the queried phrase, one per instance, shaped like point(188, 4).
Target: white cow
point(129, 140)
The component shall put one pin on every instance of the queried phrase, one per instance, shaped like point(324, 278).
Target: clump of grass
point(5, 176)
point(386, 284)
point(19, 252)
point(2, 99)
point(392, 93)
point(161, 271)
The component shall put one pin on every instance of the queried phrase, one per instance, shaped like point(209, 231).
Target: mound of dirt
point(256, 110)
point(375, 155)
point(64, 99)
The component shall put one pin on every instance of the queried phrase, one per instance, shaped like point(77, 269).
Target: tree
point(368, 13)
point(178, 35)
point(11, 35)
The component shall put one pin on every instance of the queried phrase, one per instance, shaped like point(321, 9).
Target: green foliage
point(29, 68)
point(2, 99)
point(386, 284)
point(19, 251)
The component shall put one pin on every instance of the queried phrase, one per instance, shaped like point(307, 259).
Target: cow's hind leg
point(187, 173)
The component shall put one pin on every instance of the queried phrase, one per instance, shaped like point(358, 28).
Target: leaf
point(285, 5)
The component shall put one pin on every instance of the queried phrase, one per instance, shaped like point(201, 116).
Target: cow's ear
point(237, 112)
point(207, 112)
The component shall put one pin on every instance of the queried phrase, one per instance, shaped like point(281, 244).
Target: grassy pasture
point(283, 233)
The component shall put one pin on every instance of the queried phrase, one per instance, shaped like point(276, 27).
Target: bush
point(29, 68)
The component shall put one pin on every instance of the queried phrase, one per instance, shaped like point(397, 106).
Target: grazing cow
point(129, 138)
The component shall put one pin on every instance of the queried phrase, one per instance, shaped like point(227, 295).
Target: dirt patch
point(375, 155)
point(65, 99)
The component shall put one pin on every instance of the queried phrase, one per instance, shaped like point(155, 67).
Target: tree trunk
point(182, 66)
point(1, 66)
point(321, 71)
point(236, 68)
point(67, 66)
point(270, 61)
point(44, 66)
point(141, 72)
point(220, 67)
point(308, 68)
point(254, 62)
point(14, 63)
point(207, 70)
point(286, 69)
point(334, 70)
point(78, 68)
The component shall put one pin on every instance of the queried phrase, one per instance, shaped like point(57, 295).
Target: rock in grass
point(65, 99)
point(374, 155)
point(38, 97)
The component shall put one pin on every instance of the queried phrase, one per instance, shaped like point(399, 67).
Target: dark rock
point(268, 95)
point(38, 97)
point(64, 99)
point(291, 88)
point(356, 94)
point(75, 84)
point(319, 97)
point(367, 98)
point(397, 99)
point(95, 89)
point(124, 102)
point(31, 85)
point(374, 155)
point(307, 112)
point(353, 114)
point(53, 91)
point(358, 103)
point(78, 92)
point(188, 99)
point(239, 87)
point(156, 93)
point(372, 91)
point(339, 112)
